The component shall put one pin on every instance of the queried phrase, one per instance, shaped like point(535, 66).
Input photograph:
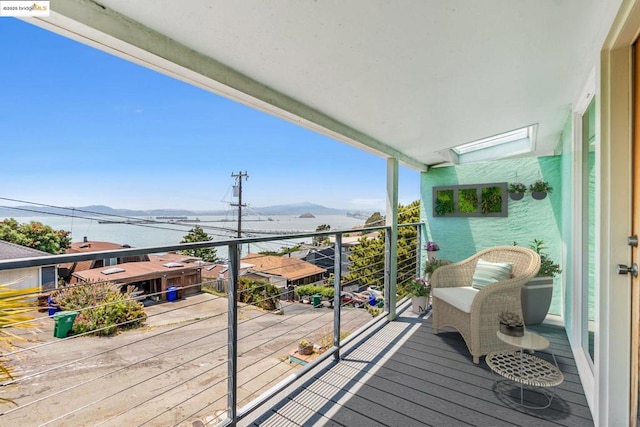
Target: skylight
point(112, 270)
point(519, 141)
point(173, 264)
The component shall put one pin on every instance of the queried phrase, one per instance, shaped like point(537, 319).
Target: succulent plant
point(510, 318)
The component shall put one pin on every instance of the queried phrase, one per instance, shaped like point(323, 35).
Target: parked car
point(349, 298)
point(376, 290)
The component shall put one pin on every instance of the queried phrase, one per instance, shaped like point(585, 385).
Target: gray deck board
point(404, 375)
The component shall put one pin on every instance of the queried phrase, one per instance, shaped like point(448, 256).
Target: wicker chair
point(478, 326)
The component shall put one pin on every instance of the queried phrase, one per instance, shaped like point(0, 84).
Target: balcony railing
point(205, 354)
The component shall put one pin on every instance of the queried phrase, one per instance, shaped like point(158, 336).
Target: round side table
point(526, 369)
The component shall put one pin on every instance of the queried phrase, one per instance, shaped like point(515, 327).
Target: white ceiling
point(404, 78)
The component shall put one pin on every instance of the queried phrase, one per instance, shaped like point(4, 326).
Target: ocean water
point(161, 232)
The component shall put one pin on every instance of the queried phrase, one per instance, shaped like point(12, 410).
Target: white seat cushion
point(459, 297)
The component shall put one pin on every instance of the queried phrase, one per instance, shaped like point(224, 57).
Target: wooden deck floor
point(404, 375)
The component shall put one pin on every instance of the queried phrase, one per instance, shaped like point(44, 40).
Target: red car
point(349, 298)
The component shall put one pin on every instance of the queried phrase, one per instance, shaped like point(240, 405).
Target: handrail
point(235, 413)
point(115, 253)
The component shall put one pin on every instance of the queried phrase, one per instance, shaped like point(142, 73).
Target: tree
point(197, 234)
point(367, 259)
point(321, 240)
point(35, 235)
point(375, 220)
point(282, 252)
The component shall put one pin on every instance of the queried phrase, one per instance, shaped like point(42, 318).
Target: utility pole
point(237, 191)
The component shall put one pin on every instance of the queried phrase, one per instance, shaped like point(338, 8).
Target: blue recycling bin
point(372, 300)
point(53, 309)
point(172, 293)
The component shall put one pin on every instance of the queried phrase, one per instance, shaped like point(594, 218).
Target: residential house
point(294, 271)
point(67, 270)
point(217, 274)
point(43, 277)
point(153, 277)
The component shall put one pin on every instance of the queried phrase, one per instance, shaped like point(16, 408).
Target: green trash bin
point(63, 323)
point(316, 300)
point(380, 303)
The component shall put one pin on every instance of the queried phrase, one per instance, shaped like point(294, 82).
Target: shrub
point(260, 294)
point(102, 308)
point(308, 290)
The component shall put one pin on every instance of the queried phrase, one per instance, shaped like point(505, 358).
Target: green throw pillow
point(490, 272)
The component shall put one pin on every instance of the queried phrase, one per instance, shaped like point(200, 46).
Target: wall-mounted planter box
point(476, 200)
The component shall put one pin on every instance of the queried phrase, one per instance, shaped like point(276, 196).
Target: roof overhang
point(403, 80)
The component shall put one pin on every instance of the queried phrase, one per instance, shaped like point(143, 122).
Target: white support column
point(392, 224)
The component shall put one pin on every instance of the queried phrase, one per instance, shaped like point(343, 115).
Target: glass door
point(588, 273)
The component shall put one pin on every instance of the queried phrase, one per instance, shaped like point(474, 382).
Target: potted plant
point(539, 189)
point(432, 248)
point(511, 324)
point(537, 293)
point(305, 347)
point(432, 265)
point(516, 190)
point(420, 290)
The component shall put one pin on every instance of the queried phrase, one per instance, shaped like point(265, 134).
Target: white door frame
point(612, 367)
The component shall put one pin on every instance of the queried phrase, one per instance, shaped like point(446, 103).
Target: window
point(519, 141)
point(48, 278)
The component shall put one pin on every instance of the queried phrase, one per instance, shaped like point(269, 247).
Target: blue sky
point(81, 127)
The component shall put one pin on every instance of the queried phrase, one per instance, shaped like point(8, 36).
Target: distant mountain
point(299, 209)
point(288, 209)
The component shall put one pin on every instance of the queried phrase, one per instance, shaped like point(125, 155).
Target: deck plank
point(406, 375)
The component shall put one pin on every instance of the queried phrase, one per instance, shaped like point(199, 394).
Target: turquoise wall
point(527, 219)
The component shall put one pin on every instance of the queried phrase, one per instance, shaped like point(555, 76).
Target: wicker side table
point(526, 369)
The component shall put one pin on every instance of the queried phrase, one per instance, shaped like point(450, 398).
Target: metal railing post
point(337, 298)
point(232, 333)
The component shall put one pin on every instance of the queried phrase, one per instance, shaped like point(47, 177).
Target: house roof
point(12, 251)
point(213, 270)
point(290, 268)
point(175, 257)
point(93, 246)
point(88, 246)
point(135, 270)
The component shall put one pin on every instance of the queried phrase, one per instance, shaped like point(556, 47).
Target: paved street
point(171, 371)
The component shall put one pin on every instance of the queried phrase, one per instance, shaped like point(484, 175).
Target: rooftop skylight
point(112, 270)
point(507, 144)
point(173, 264)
